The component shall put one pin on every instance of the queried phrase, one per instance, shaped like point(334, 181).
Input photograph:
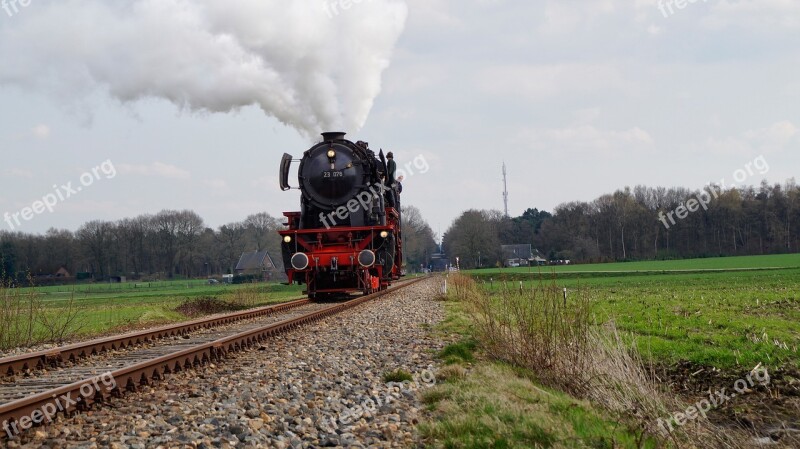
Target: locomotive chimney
point(335, 135)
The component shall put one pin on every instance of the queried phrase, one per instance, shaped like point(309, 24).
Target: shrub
point(397, 376)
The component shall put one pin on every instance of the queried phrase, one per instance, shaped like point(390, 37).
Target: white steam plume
point(309, 63)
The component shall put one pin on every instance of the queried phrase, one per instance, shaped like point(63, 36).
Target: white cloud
point(654, 30)
point(217, 187)
point(543, 81)
point(433, 14)
point(216, 183)
point(588, 140)
point(41, 131)
point(19, 173)
point(771, 139)
point(156, 169)
point(563, 17)
point(415, 77)
point(586, 115)
point(726, 145)
point(758, 14)
point(268, 182)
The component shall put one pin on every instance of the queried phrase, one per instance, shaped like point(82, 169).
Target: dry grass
point(25, 321)
point(63, 323)
point(19, 311)
point(619, 381)
point(248, 296)
point(554, 337)
point(536, 329)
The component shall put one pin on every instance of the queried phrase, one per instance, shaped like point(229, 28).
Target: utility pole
point(505, 189)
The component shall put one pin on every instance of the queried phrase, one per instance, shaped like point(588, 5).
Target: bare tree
point(419, 241)
point(190, 227)
point(262, 231)
point(473, 239)
point(97, 238)
point(231, 243)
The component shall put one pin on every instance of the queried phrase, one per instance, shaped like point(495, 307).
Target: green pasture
point(103, 307)
point(730, 313)
point(724, 312)
point(713, 263)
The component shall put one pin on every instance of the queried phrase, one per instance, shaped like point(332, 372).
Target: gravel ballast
point(319, 386)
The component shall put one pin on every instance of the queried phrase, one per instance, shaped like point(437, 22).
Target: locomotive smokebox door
point(330, 175)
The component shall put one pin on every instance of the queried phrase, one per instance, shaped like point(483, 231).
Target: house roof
point(517, 251)
point(255, 260)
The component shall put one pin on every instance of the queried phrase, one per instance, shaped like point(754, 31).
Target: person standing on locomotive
point(391, 171)
point(398, 189)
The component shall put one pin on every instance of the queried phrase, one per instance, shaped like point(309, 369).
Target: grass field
point(101, 308)
point(715, 263)
point(724, 312)
point(727, 313)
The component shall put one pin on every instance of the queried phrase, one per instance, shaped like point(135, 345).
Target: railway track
point(28, 364)
point(75, 378)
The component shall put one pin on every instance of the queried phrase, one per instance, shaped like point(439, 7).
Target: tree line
point(164, 245)
point(643, 223)
point(629, 224)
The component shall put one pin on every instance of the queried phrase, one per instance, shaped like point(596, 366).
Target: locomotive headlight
point(288, 239)
point(384, 234)
point(331, 154)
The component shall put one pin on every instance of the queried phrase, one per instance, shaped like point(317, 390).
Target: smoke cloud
point(312, 64)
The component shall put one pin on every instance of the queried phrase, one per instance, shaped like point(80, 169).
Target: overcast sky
point(579, 98)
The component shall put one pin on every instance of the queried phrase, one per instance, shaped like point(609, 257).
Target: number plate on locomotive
point(333, 174)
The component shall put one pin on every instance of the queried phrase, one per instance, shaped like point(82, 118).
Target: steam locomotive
point(346, 237)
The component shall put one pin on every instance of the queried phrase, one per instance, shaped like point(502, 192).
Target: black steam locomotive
point(346, 236)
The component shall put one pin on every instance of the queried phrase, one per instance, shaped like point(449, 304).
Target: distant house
point(256, 263)
point(62, 273)
point(517, 255)
point(521, 255)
